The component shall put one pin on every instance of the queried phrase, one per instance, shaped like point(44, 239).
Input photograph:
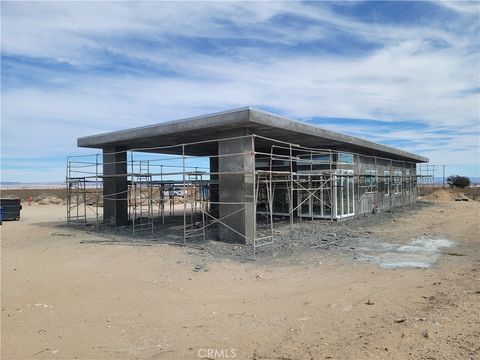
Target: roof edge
point(233, 117)
point(332, 135)
point(89, 141)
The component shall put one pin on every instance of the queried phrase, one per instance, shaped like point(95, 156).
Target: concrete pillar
point(214, 187)
point(115, 187)
point(236, 187)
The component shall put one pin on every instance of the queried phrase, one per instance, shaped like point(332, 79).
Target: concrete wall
point(367, 200)
point(389, 192)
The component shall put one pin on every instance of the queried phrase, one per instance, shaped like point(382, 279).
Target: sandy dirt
point(66, 297)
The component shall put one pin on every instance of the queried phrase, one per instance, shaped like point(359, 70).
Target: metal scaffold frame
point(176, 192)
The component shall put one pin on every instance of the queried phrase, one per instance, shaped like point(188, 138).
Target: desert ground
point(72, 294)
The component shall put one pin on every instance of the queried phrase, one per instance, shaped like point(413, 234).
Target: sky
point(404, 74)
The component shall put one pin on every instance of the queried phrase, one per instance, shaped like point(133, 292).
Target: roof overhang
point(251, 121)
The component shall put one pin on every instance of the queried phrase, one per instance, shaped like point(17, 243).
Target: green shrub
point(456, 181)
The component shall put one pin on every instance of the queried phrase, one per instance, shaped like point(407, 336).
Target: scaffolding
point(171, 190)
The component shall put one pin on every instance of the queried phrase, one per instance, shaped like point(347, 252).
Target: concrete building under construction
point(234, 175)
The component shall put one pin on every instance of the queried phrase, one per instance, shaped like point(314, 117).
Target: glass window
point(345, 158)
point(321, 158)
point(262, 163)
point(339, 197)
point(281, 201)
point(281, 163)
point(350, 195)
point(312, 159)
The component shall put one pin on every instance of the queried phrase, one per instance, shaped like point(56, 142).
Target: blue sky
point(405, 74)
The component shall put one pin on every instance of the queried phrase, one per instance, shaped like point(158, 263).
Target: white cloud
point(469, 7)
point(415, 73)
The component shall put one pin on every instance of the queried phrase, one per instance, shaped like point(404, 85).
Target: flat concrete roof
point(247, 120)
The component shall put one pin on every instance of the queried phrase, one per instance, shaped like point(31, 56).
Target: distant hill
point(31, 185)
point(473, 179)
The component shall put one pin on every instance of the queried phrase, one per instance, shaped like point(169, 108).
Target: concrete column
point(236, 157)
point(214, 187)
point(115, 187)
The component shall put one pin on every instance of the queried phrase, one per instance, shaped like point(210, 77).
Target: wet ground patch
point(419, 253)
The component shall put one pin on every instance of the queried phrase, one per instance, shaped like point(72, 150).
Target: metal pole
point(291, 194)
point(162, 195)
point(96, 190)
point(150, 193)
point(332, 207)
point(197, 187)
point(203, 207)
point(184, 195)
point(376, 186)
point(67, 184)
point(270, 205)
point(254, 197)
point(133, 190)
point(390, 185)
point(310, 185)
point(84, 201)
point(443, 182)
point(190, 178)
point(78, 201)
point(433, 175)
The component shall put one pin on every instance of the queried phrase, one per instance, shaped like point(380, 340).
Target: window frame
point(397, 181)
point(340, 155)
point(371, 182)
point(309, 159)
point(386, 181)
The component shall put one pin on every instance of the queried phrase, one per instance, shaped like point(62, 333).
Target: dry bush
point(36, 194)
point(50, 200)
point(448, 194)
point(473, 193)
